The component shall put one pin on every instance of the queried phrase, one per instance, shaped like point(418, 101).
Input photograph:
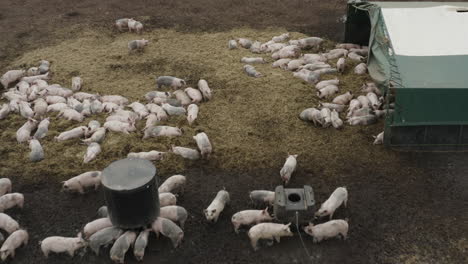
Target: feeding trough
point(130, 189)
point(290, 202)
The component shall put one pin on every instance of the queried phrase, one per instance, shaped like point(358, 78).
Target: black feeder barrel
point(131, 192)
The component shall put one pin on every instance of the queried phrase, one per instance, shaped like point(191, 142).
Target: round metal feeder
point(131, 192)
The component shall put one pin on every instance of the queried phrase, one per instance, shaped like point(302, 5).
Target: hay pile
point(252, 122)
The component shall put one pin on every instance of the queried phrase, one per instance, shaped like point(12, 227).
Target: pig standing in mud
point(330, 229)
point(204, 144)
point(250, 217)
point(58, 244)
point(121, 246)
point(174, 213)
point(166, 199)
point(338, 197)
point(96, 225)
point(5, 186)
point(82, 181)
point(268, 231)
point(140, 244)
point(169, 229)
point(14, 241)
point(262, 197)
point(288, 168)
point(104, 237)
point(217, 206)
point(11, 200)
point(173, 184)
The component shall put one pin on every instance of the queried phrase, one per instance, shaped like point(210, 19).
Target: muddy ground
point(403, 208)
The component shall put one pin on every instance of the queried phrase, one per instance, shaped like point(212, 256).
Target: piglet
point(96, 225)
point(250, 217)
point(337, 107)
point(339, 196)
point(82, 181)
point(192, 113)
point(118, 126)
point(343, 99)
point(232, 44)
point(173, 110)
point(251, 71)
point(204, 144)
point(93, 150)
point(335, 120)
point(140, 244)
point(121, 23)
point(140, 109)
point(71, 114)
point(379, 138)
point(182, 97)
point(341, 64)
point(327, 230)
point(166, 199)
point(121, 246)
point(150, 155)
point(37, 153)
point(326, 83)
point(194, 94)
point(173, 184)
point(97, 136)
point(217, 206)
point(174, 213)
point(360, 69)
point(162, 131)
point(77, 82)
point(186, 153)
point(104, 237)
point(24, 132)
point(204, 89)
point(4, 111)
point(58, 244)
point(5, 186)
point(14, 241)
point(8, 224)
point(326, 117)
point(11, 77)
point(42, 129)
point(170, 81)
point(252, 60)
point(138, 44)
point(288, 168)
point(72, 133)
point(327, 91)
point(313, 115)
point(262, 197)
point(169, 229)
point(268, 231)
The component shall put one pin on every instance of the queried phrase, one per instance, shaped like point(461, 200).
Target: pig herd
point(310, 67)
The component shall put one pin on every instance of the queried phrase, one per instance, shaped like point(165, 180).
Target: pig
point(213, 211)
point(121, 24)
point(14, 241)
point(338, 50)
point(169, 229)
point(362, 52)
point(281, 63)
point(327, 91)
point(343, 99)
point(315, 66)
point(77, 82)
point(307, 76)
point(291, 51)
point(54, 99)
point(117, 126)
point(73, 133)
point(4, 111)
point(256, 47)
point(250, 217)
point(82, 96)
point(232, 44)
point(40, 108)
point(153, 94)
point(37, 153)
point(58, 91)
point(326, 116)
point(268, 231)
point(8, 224)
point(337, 107)
point(151, 120)
point(194, 94)
point(327, 230)
point(182, 97)
point(110, 107)
point(71, 114)
point(31, 79)
point(186, 153)
point(325, 71)
point(96, 225)
point(374, 101)
point(360, 69)
point(14, 106)
point(117, 99)
point(326, 83)
point(58, 244)
point(139, 108)
point(262, 197)
point(314, 58)
point(173, 184)
point(104, 237)
point(288, 168)
point(14, 95)
point(379, 138)
point(309, 42)
point(33, 71)
point(364, 100)
point(23, 134)
point(362, 120)
point(295, 64)
point(82, 181)
point(138, 27)
point(192, 113)
point(44, 66)
point(93, 126)
point(341, 64)
point(11, 200)
point(11, 77)
point(162, 131)
point(333, 56)
point(360, 112)
point(138, 44)
point(93, 150)
point(204, 144)
point(245, 43)
point(25, 110)
point(166, 199)
point(22, 87)
point(173, 82)
point(353, 106)
point(335, 120)
point(273, 47)
point(252, 60)
point(97, 136)
point(5, 186)
point(371, 87)
point(312, 114)
point(347, 46)
point(121, 246)
point(140, 244)
point(151, 155)
point(174, 213)
point(355, 57)
point(124, 116)
point(281, 38)
point(251, 71)
point(204, 89)
point(102, 212)
point(338, 197)
point(96, 106)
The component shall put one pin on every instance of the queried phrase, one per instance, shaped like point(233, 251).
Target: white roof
point(428, 31)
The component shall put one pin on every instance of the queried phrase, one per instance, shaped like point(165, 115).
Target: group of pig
point(101, 232)
point(135, 26)
point(16, 236)
point(33, 98)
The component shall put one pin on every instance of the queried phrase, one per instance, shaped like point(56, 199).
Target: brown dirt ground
point(411, 210)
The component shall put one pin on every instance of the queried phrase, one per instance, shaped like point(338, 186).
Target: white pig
point(245, 43)
point(268, 231)
point(307, 76)
point(262, 197)
point(169, 229)
point(338, 107)
point(25, 110)
point(14, 241)
point(139, 108)
point(173, 82)
point(70, 134)
point(162, 131)
point(281, 63)
point(96, 225)
point(40, 108)
point(192, 113)
point(11, 200)
point(204, 89)
point(31, 79)
point(338, 197)
point(355, 57)
point(288, 168)
point(250, 217)
point(97, 136)
point(343, 99)
point(295, 64)
point(364, 100)
point(327, 230)
point(158, 110)
point(186, 153)
point(140, 244)
point(24, 132)
point(173, 110)
point(347, 46)
point(8, 224)
point(379, 138)
point(362, 120)
point(58, 244)
point(150, 155)
point(360, 69)
point(77, 82)
point(252, 60)
point(327, 91)
point(194, 94)
point(138, 44)
point(374, 101)
point(57, 107)
point(93, 150)
point(232, 44)
point(204, 144)
point(217, 206)
point(71, 114)
point(341, 64)
point(104, 237)
point(5, 186)
point(166, 199)
point(117, 126)
point(173, 184)
point(82, 181)
point(280, 38)
point(174, 213)
point(11, 76)
point(326, 83)
point(335, 120)
point(121, 23)
point(121, 246)
point(182, 97)
point(37, 153)
point(326, 117)
point(312, 114)
point(4, 111)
